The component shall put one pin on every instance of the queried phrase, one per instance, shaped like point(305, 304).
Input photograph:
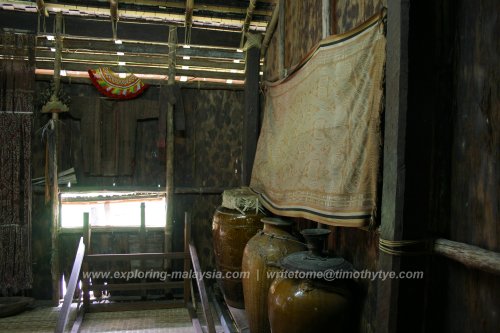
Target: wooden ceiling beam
point(237, 85)
point(142, 48)
point(140, 59)
point(142, 69)
point(202, 5)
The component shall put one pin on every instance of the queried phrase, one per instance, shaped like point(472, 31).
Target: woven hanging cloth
point(113, 86)
point(319, 147)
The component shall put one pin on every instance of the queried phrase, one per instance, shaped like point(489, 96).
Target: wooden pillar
point(400, 303)
point(251, 117)
point(85, 265)
point(172, 45)
point(55, 270)
point(143, 245)
point(187, 260)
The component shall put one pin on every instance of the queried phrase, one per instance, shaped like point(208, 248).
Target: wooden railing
point(70, 291)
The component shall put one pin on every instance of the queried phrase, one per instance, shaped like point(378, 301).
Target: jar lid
point(307, 262)
point(276, 221)
point(242, 199)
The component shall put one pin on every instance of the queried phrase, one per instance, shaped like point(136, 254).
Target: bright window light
point(114, 212)
point(229, 81)
point(118, 41)
point(53, 49)
point(185, 67)
point(63, 72)
point(120, 53)
point(184, 78)
point(239, 50)
point(186, 46)
point(236, 61)
point(121, 63)
point(186, 57)
point(122, 75)
point(50, 37)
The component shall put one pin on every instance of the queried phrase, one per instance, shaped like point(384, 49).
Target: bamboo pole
point(55, 270)
point(248, 20)
point(281, 39)
point(271, 27)
point(469, 255)
point(85, 265)
point(172, 44)
point(325, 18)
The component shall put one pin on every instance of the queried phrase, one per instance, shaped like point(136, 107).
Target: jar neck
point(276, 229)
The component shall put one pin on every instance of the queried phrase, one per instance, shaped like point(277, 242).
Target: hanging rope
point(405, 247)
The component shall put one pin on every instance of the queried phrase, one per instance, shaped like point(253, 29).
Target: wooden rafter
point(248, 20)
point(40, 6)
point(188, 21)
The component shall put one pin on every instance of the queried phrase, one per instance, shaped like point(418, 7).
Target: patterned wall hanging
point(113, 86)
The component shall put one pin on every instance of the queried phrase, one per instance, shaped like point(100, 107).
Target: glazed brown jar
point(231, 230)
point(300, 302)
point(260, 258)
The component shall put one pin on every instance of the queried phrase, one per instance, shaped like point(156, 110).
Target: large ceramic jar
point(260, 260)
point(301, 302)
point(234, 223)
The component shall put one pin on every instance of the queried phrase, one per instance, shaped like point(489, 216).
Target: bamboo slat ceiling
point(210, 35)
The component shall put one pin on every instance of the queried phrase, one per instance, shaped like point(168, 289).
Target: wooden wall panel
point(350, 13)
point(461, 299)
point(209, 155)
point(302, 29)
point(475, 156)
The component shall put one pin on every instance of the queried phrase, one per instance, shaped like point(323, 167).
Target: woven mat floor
point(43, 319)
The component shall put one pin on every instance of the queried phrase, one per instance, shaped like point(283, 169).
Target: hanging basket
point(113, 86)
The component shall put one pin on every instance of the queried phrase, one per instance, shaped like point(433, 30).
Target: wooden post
point(394, 157)
point(251, 117)
point(55, 270)
point(143, 246)
point(172, 45)
point(85, 265)
point(187, 261)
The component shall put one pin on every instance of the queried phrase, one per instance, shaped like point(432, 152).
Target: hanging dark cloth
point(17, 82)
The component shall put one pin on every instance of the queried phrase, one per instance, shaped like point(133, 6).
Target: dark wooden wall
point(208, 154)
point(455, 88)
